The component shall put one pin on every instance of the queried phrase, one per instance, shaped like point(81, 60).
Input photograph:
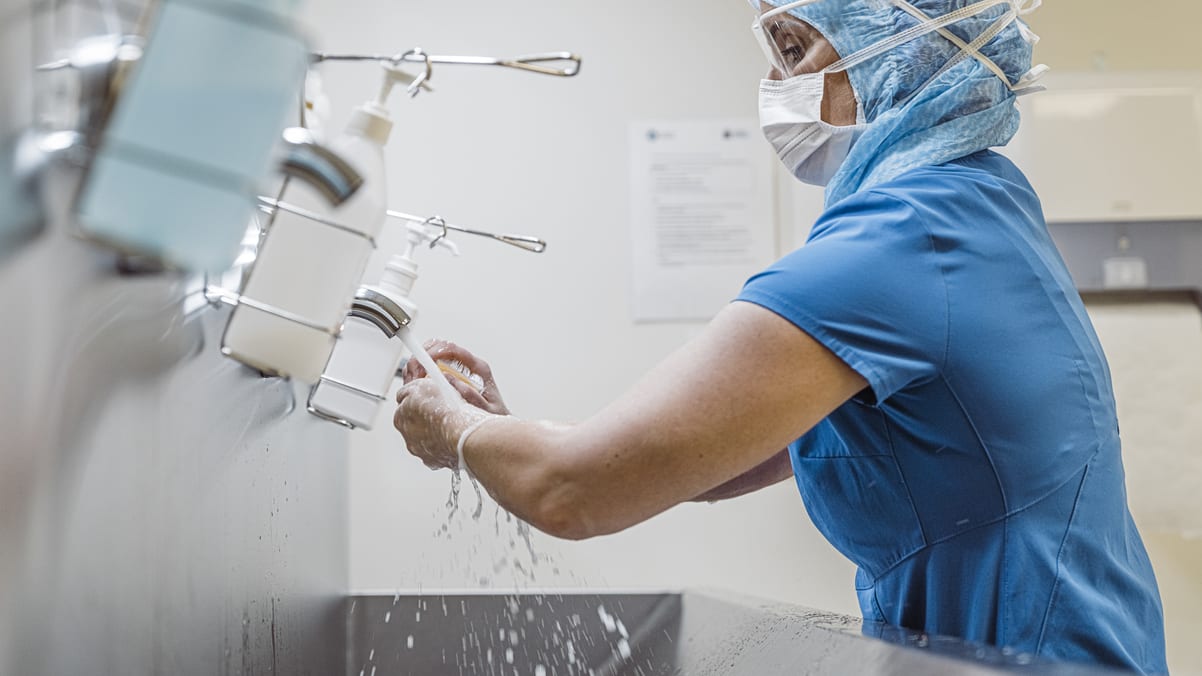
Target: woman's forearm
point(539, 472)
point(567, 480)
point(775, 470)
point(717, 409)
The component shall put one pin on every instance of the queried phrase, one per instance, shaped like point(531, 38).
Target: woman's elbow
point(567, 496)
point(560, 512)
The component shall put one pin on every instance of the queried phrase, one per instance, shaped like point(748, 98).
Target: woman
point(924, 359)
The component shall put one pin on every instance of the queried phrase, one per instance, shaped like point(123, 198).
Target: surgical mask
point(791, 119)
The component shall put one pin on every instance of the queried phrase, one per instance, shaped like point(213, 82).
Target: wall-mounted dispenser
point(301, 288)
point(1117, 162)
point(364, 362)
point(20, 214)
point(302, 284)
point(192, 134)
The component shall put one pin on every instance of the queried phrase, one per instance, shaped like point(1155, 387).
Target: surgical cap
point(965, 109)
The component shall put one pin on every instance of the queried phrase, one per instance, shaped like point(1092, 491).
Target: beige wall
point(1154, 34)
point(1155, 351)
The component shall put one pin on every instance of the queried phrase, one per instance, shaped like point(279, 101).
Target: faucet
point(307, 160)
point(380, 310)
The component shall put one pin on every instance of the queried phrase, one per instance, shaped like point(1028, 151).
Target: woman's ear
point(838, 100)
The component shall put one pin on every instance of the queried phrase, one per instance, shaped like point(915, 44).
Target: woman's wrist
point(466, 433)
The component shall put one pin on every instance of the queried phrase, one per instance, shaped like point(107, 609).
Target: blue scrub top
point(977, 483)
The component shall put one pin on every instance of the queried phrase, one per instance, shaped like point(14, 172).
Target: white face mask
point(791, 119)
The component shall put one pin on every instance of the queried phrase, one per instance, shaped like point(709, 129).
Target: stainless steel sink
point(695, 634)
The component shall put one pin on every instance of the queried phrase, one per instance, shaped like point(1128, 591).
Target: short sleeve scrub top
point(977, 483)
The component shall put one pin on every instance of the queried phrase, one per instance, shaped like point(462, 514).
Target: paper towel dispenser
point(1116, 159)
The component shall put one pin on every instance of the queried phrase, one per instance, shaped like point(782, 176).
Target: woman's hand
point(721, 406)
point(431, 425)
point(489, 398)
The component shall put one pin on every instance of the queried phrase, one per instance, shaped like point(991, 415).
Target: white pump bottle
point(365, 360)
point(306, 273)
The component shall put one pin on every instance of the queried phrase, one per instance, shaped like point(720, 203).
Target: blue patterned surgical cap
point(965, 109)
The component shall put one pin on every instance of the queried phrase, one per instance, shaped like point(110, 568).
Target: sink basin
point(645, 634)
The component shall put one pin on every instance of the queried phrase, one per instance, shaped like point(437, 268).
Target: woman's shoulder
point(982, 175)
point(975, 189)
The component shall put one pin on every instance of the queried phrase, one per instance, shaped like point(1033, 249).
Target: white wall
point(532, 154)
point(538, 155)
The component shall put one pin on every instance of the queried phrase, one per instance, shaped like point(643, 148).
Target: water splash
point(414, 345)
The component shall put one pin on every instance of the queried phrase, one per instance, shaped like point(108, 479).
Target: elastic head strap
point(929, 26)
point(972, 48)
point(956, 40)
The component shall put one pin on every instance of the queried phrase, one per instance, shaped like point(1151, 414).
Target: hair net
point(965, 109)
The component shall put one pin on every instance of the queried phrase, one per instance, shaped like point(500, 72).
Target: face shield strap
point(763, 37)
point(1018, 8)
point(781, 9)
point(973, 47)
point(929, 25)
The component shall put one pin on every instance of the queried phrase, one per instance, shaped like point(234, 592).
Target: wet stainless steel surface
point(163, 509)
point(610, 634)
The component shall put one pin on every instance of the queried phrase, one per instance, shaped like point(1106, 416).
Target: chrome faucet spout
point(380, 310)
point(307, 160)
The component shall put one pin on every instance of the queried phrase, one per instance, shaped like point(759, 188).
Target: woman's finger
point(473, 362)
point(470, 394)
point(413, 370)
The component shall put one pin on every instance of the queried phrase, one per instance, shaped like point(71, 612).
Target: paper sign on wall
point(701, 215)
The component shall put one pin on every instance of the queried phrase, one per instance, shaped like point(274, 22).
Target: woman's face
point(808, 51)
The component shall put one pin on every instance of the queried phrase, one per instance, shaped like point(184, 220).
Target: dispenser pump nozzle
point(371, 119)
point(401, 271)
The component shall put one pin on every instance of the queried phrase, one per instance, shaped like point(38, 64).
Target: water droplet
point(606, 619)
point(624, 648)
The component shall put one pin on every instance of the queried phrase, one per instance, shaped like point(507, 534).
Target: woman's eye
point(793, 52)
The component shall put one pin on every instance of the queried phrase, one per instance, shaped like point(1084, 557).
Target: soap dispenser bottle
point(365, 360)
point(304, 278)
